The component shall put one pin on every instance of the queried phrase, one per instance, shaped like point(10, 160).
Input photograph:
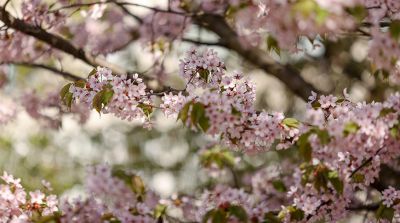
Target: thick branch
point(286, 73)
point(54, 41)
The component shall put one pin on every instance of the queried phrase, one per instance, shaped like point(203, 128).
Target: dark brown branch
point(365, 163)
point(122, 3)
point(286, 73)
point(56, 71)
point(54, 41)
point(368, 207)
point(199, 42)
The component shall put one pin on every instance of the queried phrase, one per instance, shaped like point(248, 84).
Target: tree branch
point(61, 73)
point(286, 73)
point(199, 42)
point(54, 41)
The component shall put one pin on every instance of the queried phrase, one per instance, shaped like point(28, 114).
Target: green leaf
point(68, 99)
point(198, 117)
point(238, 212)
point(80, 83)
point(350, 128)
point(147, 109)
point(273, 45)
point(323, 136)
point(66, 96)
point(279, 186)
point(204, 74)
point(221, 157)
point(92, 72)
point(219, 216)
point(305, 7)
point(384, 212)
point(394, 29)
point(386, 111)
point(295, 213)
point(64, 90)
point(358, 178)
point(208, 216)
point(305, 148)
point(359, 12)
point(159, 210)
point(394, 131)
point(138, 186)
point(336, 182)
point(235, 111)
point(320, 178)
point(184, 112)
point(102, 98)
point(321, 15)
point(316, 104)
point(271, 218)
point(291, 122)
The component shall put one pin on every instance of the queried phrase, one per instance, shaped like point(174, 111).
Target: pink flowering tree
point(336, 161)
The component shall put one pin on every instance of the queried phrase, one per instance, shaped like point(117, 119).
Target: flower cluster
point(36, 107)
point(384, 52)
point(303, 18)
point(163, 27)
point(379, 9)
point(36, 12)
point(224, 108)
point(88, 33)
point(223, 198)
point(347, 143)
point(16, 205)
point(124, 96)
point(111, 198)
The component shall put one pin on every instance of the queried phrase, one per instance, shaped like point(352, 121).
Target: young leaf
point(384, 212)
point(238, 212)
point(102, 98)
point(198, 117)
point(159, 211)
point(291, 122)
point(204, 74)
point(323, 136)
point(295, 213)
point(80, 83)
point(92, 72)
point(336, 182)
point(279, 186)
point(272, 45)
point(64, 90)
point(219, 216)
point(350, 128)
point(271, 218)
point(305, 148)
point(147, 109)
point(394, 29)
point(184, 112)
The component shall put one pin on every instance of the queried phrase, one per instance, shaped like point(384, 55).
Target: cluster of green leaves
point(135, 182)
point(221, 157)
point(321, 177)
point(395, 130)
point(385, 213)
point(223, 214)
point(304, 145)
point(309, 8)
point(197, 114)
point(295, 214)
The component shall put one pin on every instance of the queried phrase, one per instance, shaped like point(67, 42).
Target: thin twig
point(56, 71)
